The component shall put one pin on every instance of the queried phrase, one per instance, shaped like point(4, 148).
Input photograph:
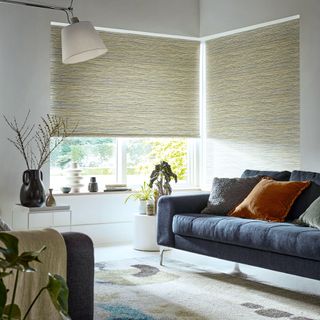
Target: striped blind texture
point(143, 86)
point(253, 98)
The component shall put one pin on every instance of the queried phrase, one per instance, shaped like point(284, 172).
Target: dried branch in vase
point(34, 144)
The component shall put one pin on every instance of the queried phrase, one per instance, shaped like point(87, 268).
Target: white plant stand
point(145, 233)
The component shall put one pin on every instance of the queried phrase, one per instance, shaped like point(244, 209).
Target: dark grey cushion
point(311, 217)
point(283, 238)
point(307, 196)
point(227, 193)
point(4, 226)
point(276, 175)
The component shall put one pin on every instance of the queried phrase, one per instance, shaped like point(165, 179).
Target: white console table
point(59, 217)
point(145, 233)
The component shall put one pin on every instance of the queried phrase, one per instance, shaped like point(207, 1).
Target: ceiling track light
point(79, 40)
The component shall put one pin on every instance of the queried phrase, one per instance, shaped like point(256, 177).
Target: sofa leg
point(161, 256)
point(237, 272)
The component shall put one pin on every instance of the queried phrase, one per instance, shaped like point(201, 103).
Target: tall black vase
point(32, 193)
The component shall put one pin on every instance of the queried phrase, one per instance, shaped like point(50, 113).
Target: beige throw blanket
point(54, 260)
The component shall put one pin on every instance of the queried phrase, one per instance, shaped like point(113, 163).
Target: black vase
point(32, 192)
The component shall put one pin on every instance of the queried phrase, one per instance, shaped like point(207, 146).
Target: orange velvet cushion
point(270, 200)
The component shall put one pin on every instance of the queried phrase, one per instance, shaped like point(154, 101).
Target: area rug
point(139, 289)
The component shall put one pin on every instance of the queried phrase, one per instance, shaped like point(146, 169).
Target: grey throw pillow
point(4, 226)
point(227, 193)
point(311, 217)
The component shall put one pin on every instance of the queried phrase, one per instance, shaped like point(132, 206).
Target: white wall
point(225, 15)
point(25, 61)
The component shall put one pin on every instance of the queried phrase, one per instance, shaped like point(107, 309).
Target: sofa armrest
point(80, 275)
point(168, 206)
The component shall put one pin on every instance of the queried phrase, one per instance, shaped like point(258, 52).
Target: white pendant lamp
point(80, 42)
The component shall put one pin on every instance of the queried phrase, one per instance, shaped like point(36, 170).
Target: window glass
point(95, 156)
point(143, 154)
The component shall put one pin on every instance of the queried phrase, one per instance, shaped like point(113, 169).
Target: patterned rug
point(139, 289)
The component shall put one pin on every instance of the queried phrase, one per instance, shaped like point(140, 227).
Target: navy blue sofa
point(284, 247)
point(80, 275)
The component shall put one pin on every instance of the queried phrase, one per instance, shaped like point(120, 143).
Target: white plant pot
point(142, 207)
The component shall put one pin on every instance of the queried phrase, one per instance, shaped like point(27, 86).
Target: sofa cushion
point(276, 175)
point(227, 193)
point(311, 217)
point(284, 238)
point(270, 200)
point(307, 196)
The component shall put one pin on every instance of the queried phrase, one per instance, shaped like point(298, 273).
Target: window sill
point(186, 189)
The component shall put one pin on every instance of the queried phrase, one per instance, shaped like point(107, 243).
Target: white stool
point(145, 233)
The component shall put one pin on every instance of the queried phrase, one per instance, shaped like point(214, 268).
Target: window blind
point(253, 100)
point(143, 86)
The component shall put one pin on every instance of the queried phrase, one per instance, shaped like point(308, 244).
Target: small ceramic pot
point(93, 185)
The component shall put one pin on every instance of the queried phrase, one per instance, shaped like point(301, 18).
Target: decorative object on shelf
point(80, 41)
point(65, 189)
point(74, 178)
point(93, 185)
point(116, 187)
point(13, 263)
point(150, 208)
point(161, 177)
point(32, 192)
point(50, 201)
point(143, 195)
point(35, 145)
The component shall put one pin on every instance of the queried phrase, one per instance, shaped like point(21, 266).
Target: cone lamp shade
point(80, 42)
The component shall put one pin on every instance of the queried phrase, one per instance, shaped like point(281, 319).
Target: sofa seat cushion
point(284, 238)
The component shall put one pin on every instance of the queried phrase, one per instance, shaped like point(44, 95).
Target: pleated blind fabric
point(143, 86)
point(253, 99)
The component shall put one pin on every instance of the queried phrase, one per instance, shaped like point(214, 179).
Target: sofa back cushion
point(270, 200)
point(307, 196)
point(227, 193)
point(276, 175)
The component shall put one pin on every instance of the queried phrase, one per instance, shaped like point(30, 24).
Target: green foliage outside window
point(145, 153)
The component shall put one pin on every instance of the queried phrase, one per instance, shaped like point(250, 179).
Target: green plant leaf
point(15, 313)
point(3, 297)
point(11, 242)
point(59, 292)
point(26, 257)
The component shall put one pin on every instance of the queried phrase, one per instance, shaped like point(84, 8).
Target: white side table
point(145, 233)
point(59, 217)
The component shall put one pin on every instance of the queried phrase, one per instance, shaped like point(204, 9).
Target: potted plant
point(144, 195)
point(160, 179)
point(12, 264)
